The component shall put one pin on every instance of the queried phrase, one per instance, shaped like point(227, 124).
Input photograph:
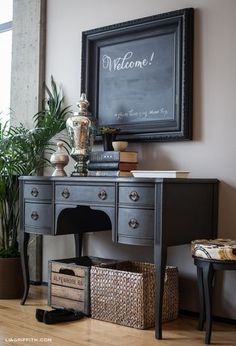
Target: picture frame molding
point(175, 129)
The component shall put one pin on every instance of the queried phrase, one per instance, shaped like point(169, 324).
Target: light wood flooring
point(18, 326)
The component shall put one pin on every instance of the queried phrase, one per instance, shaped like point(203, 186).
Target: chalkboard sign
point(138, 76)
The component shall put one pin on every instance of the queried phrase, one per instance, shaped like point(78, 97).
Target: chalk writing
point(151, 114)
point(125, 62)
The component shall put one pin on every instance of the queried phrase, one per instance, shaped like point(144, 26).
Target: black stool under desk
point(205, 274)
point(209, 256)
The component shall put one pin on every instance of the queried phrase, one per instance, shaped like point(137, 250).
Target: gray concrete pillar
point(28, 74)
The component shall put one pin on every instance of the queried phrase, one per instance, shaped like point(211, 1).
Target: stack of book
point(112, 163)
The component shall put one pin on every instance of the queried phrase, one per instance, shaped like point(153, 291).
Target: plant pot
point(107, 139)
point(11, 283)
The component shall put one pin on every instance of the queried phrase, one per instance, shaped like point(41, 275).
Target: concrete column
point(28, 59)
point(28, 74)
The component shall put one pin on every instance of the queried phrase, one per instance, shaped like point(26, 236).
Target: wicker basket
point(124, 293)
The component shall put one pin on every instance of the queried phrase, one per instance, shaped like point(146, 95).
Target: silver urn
point(82, 130)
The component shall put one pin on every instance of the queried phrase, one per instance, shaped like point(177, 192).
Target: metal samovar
point(81, 129)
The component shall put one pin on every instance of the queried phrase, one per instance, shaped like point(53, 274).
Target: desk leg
point(78, 244)
point(24, 263)
point(160, 262)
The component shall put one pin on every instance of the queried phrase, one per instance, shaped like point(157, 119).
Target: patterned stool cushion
point(219, 249)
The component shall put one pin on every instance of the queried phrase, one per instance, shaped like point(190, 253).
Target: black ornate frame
point(179, 125)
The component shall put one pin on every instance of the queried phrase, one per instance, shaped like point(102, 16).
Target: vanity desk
point(138, 211)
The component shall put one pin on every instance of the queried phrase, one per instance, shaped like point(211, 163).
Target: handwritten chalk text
point(151, 114)
point(125, 62)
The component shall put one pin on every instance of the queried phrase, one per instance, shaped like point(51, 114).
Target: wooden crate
point(69, 282)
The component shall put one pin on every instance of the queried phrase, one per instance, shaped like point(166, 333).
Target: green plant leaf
point(22, 152)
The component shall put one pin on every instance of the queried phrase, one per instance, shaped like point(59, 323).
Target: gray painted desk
point(155, 212)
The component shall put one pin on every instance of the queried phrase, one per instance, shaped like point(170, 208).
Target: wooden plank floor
point(18, 326)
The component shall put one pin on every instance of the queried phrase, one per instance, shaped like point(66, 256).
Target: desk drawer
point(38, 191)
point(135, 226)
point(136, 195)
point(84, 194)
point(39, 216)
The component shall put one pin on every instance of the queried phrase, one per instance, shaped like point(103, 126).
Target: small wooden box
point(69, 282)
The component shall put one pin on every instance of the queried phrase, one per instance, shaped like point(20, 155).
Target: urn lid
point(83, 105)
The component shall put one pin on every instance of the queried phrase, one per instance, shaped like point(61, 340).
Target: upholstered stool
point(211, 255)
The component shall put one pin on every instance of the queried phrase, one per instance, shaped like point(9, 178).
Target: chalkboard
point(138, 76)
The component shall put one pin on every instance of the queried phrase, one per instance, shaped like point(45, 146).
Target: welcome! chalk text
point(125, 62)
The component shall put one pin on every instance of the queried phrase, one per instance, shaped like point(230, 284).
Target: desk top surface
point(119, 179)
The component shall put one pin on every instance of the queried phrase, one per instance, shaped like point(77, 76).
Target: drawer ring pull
point(34, 192)
point(102, 195)
point(65, 193)
point(34, 215)
point(134, 196)
point(133, 223)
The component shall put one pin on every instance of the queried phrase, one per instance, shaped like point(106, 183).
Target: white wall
point(211, 153)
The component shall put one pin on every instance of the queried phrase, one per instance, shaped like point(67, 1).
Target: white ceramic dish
point(119, 145)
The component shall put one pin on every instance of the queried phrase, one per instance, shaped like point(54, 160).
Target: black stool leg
point(202, 315)
point(208, 273)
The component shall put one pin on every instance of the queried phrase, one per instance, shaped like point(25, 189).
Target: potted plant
point(22, 152)
point(108, 136)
